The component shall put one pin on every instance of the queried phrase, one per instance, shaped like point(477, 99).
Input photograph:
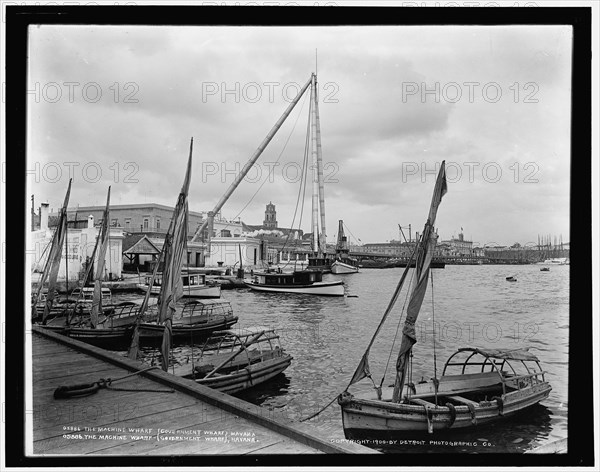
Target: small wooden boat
point(511, 279)
point(194, 286)
point(197, 320)
point(93, 319)
point(235, 360)
point(487, 385)
point(306, 282)
point(545, 269)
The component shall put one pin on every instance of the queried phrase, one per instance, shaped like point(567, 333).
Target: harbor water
point(473, 306)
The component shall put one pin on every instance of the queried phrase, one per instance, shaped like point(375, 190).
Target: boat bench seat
point(420, 401)
point(465, 401)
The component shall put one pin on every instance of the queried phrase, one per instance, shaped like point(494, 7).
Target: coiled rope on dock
point(82, 390)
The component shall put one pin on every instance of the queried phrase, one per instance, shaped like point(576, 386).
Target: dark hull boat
point(113, 331)
point(114, 339)
point(198, 320)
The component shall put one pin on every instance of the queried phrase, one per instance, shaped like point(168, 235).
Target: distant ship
point(556, 261)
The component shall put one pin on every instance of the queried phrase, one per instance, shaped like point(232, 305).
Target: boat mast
point(249, 164)
point(103, 237)
point(67, 257)
point(54, 257)
point(315, 174)
point(323, 235)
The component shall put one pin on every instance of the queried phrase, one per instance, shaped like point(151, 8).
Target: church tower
point(270, 217)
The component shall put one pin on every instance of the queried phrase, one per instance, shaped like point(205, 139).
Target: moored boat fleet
point(182, 307)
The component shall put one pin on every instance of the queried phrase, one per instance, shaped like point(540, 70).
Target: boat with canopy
point(237, 359)
point(477, 386)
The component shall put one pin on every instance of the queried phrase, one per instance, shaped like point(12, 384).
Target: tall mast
point(67, 256)
point(424, 254)
point(250, 162)
point(315, 174)
point(323, 235)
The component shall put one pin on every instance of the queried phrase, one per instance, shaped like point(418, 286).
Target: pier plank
point(59, 360)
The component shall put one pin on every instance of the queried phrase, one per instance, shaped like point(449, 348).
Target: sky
point(118, 105)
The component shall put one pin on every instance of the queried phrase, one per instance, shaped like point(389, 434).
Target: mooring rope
point(79, 390)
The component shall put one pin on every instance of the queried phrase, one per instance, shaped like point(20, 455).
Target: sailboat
point(477, 386)
point(108, 327)
point(50, 272)
point(197, 317)
point(309, 281)
point(343, 263)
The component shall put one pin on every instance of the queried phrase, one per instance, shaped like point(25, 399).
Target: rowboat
point(197, 320)
point(477, 385)
point(486, 385)
point(235, 360)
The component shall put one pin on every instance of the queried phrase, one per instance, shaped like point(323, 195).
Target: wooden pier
point(152, 413)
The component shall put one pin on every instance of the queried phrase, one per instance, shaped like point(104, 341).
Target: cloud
point(394, 103)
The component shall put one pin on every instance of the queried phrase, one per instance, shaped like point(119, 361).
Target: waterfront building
point(79, 248)
point(155, 218)
point(225, 252)
point(458, 246)
point(389, 249)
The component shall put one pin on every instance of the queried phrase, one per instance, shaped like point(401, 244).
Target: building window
point(157, 223)
point(145, 223)
point(114, 222)
point(127, 223)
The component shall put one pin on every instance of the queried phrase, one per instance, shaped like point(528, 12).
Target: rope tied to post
point(82, 390)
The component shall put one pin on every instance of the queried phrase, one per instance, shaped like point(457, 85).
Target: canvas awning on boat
point(522, 354)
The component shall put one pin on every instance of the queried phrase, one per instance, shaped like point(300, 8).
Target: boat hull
point(116, 339)
point(251, 376)
point(374, 418)
point(339, 267)
point(152, 333)
point(204, 291)
point(332, 289)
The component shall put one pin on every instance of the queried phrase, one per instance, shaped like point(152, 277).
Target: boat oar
point(235, 354)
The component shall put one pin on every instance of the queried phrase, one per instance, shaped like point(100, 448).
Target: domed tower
point(270, 216)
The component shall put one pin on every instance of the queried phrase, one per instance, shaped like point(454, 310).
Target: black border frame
point(18, 18)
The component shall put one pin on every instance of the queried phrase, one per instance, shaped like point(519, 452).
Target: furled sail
point(104, 241)
point(53, 263)
point(425, 250)
point(171, 289)
point(174, 250)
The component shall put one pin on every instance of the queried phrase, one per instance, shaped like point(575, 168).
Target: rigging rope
point(302, 188)
point(268, 174)
point(435, 379)
point(348, 229)
point(397, 329)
